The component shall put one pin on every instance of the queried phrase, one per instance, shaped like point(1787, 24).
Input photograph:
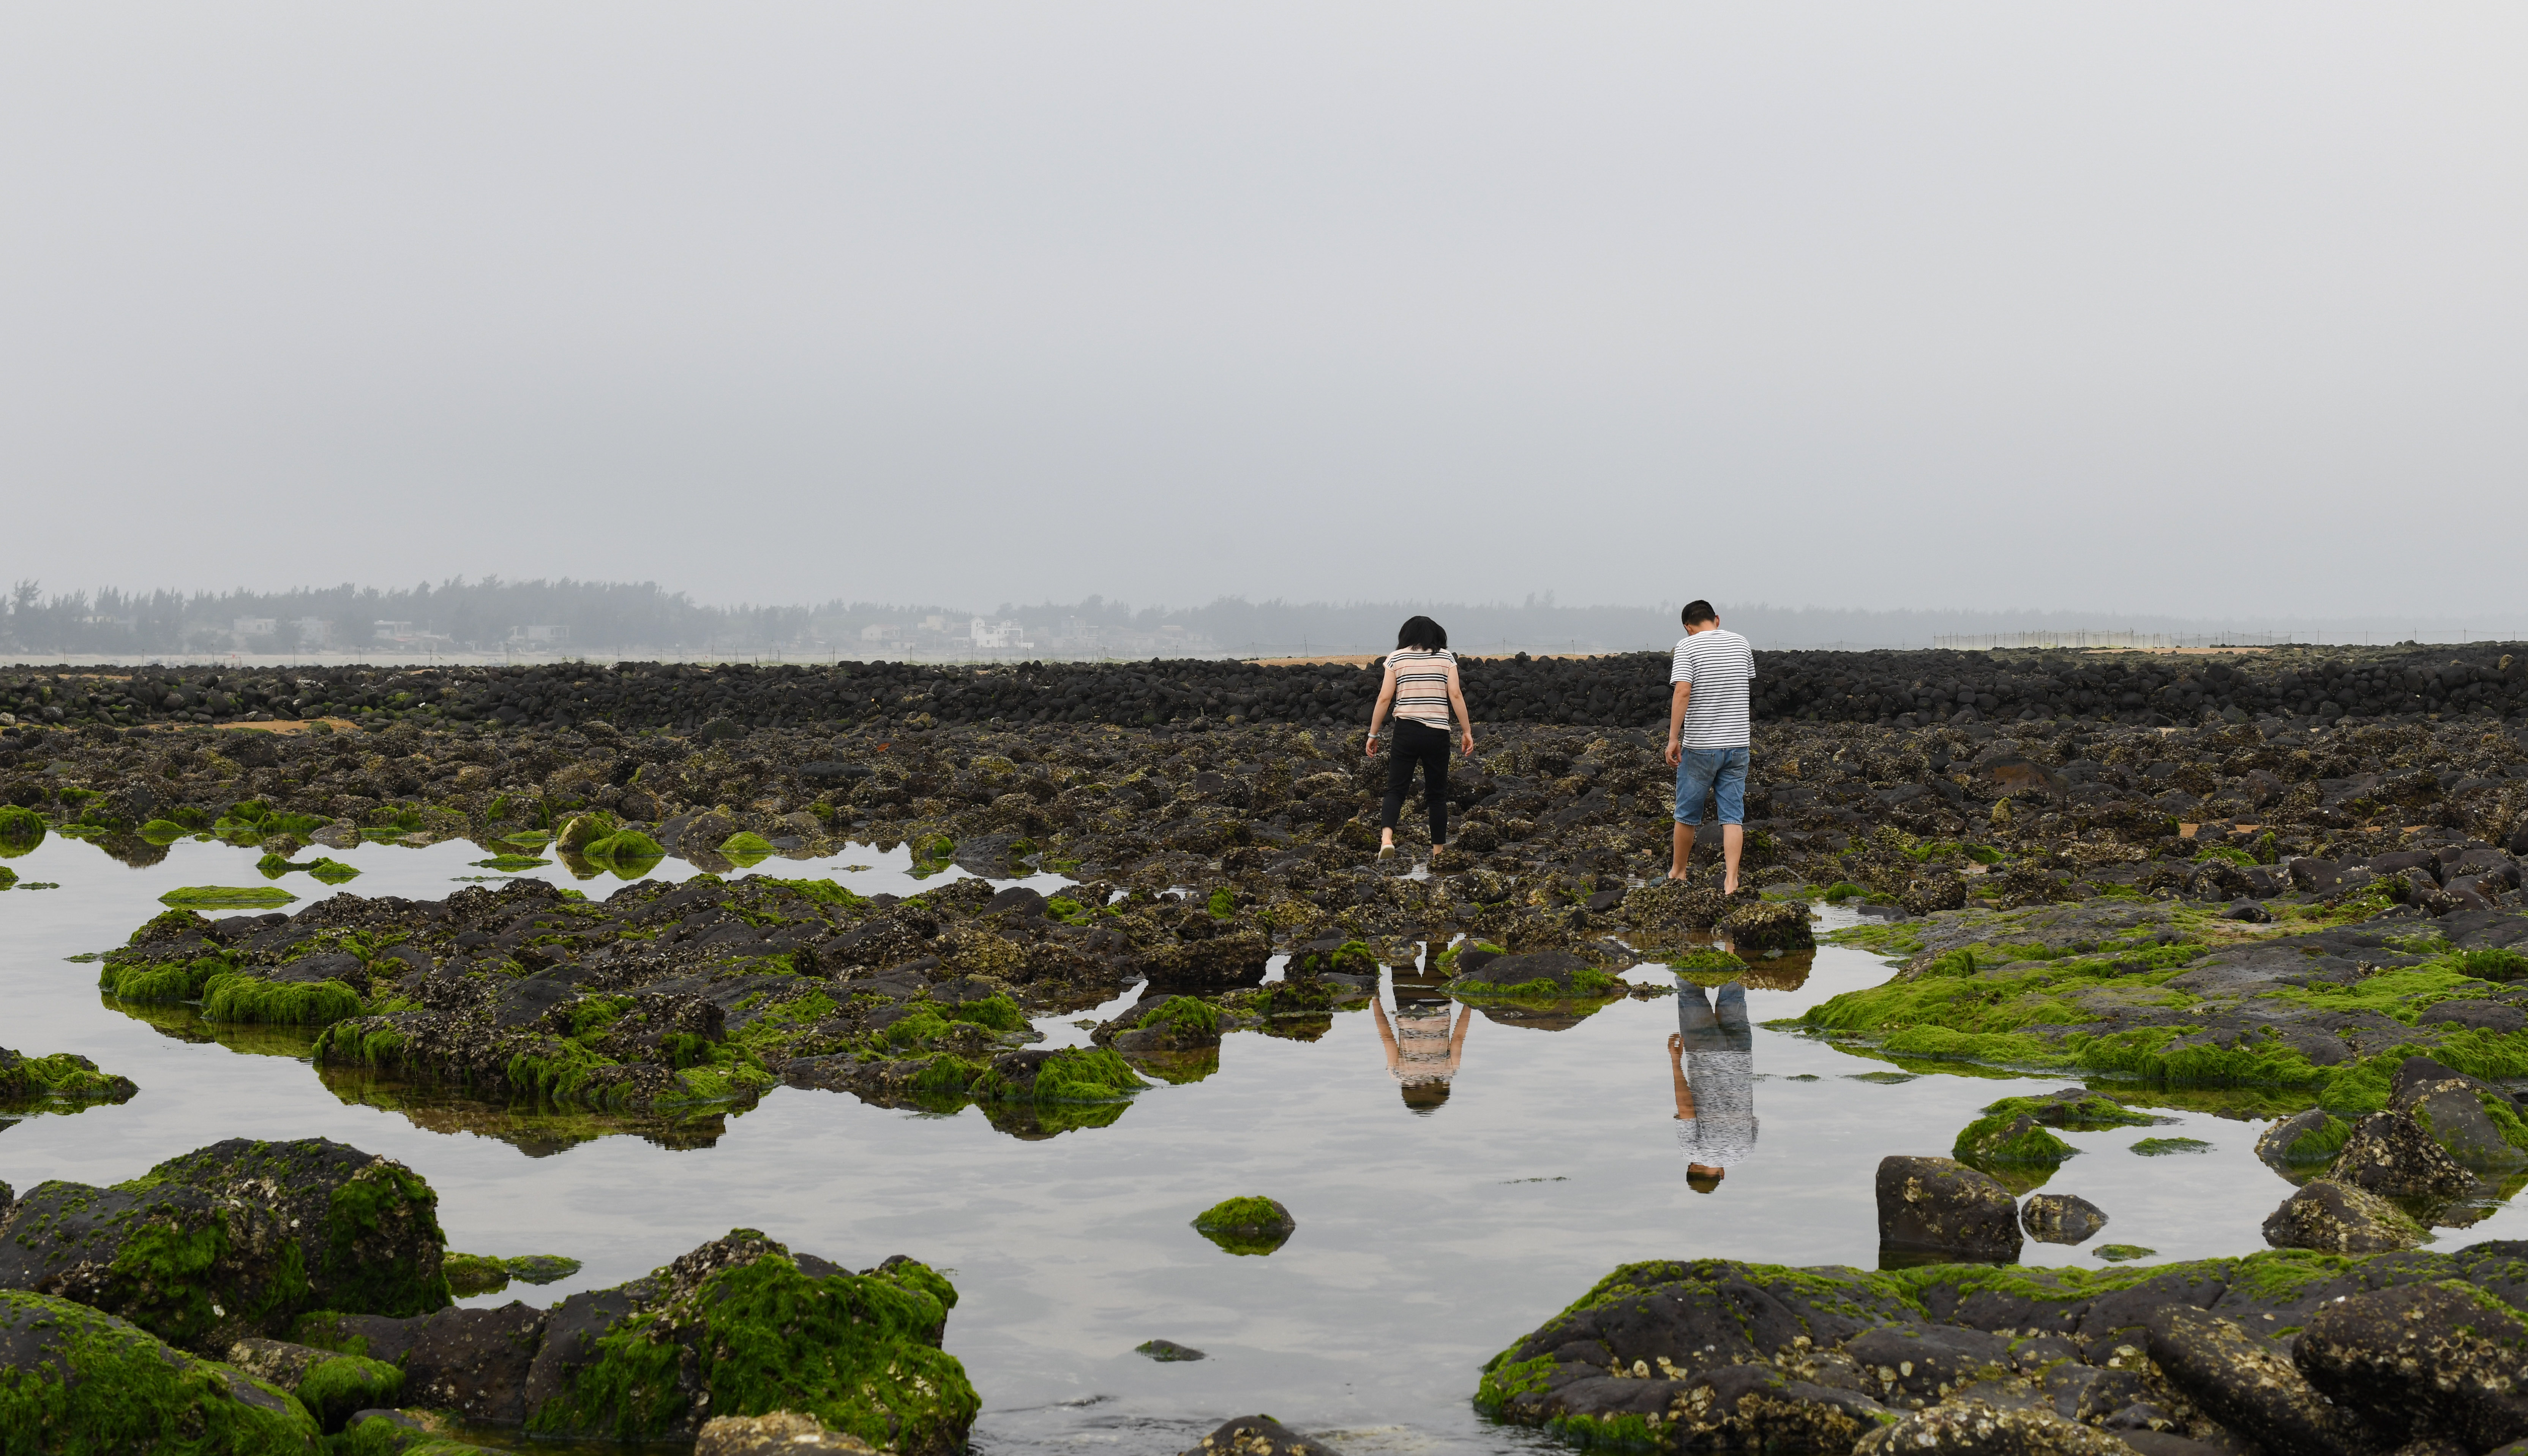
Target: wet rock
point(2061, 1219)
point(78, 1379)
point(1942, 1205)
point(1539, 973)
point(2247, 1385)
point(2422, 1360)
point(1972, 1425)
point(286, 1226)
point(1256, 1436)
point(1166, 1351)
point(472, 1362)
point(2389, 1153)
point(331, 1386)
point(1768, 925)
point(2303, 1140)
point(2338, 1218)
point(2455, 1109)
point(779, 1433)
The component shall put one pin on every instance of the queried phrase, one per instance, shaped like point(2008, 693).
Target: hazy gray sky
point(2151, 307)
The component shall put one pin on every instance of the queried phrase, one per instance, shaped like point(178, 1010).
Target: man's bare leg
point(1733, 838)
point(1683, 847)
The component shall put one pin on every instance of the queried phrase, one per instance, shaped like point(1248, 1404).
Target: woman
point(1422, 688)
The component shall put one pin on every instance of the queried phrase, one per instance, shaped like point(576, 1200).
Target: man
point(1716, 1102)
point(1706, 736)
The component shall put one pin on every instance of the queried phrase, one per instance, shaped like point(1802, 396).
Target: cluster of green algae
point(1977, 1004)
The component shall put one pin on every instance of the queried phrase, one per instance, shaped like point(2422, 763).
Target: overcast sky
point(2145, 307)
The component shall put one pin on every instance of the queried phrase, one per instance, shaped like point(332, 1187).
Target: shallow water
point(1426, 1241)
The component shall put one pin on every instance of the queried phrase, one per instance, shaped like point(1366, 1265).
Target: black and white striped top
point(1422, 682)
point(1721, 664)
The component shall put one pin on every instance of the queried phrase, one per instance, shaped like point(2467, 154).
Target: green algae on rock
point(225, 896)
point(79, 1380)
point(2160, 1147)
point(1247, 1225)
point(64, 1081)
point(742, 1327)
point(333, 1387)
point(235, 1240)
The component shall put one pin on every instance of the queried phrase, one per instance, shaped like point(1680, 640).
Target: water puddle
point(1457, 1173)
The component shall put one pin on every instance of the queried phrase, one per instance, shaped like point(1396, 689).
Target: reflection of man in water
point(1713, 1057)
point(1422, 1050)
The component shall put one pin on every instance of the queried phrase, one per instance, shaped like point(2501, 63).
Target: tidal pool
point(1432, 1231)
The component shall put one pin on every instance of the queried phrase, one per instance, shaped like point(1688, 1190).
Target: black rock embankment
point(1903, 689)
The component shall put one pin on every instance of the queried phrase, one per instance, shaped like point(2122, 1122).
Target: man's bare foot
point(1729, 886)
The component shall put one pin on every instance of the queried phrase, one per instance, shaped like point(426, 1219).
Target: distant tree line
point(602, 619)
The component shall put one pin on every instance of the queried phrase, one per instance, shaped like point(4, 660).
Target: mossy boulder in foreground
point(2288, 1351)
point(742, 1327)
point(234, 1241)
point(74, 1378)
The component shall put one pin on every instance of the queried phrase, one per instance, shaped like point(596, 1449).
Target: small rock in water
point(2061, 1219)
point(2334, 1218)
point(1247, 1225)
point(2307, 1140)
point(2161, 1147)
point(540, 1268)
point(2122, 1253)
point(1166, 1351)
point(1252, 1436)
point(1942, 1205)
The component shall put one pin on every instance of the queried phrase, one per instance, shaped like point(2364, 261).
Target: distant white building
point(997, 636)
point(315, 634)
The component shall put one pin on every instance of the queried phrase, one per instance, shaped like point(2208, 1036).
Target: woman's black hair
point(1423, 633)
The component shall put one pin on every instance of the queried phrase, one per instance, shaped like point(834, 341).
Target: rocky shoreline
point(2311, 915)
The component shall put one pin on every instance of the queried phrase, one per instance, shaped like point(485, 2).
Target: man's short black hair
point(1698, 611)
point(1423, 633)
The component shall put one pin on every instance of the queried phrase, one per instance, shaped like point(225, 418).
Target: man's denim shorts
point(1721, 772)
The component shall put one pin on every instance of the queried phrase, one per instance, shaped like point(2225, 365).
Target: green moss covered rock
point(227, 897)
point(2009, 1140)
point(61, 1082)
point(1247, 1225)
point(232, 1241)
point(741, 1326)
point(78, 1379)
point(21, 829)
point(470, 1275)
point(331, 1385)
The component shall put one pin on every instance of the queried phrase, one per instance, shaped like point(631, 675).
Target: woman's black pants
point(1410, 743)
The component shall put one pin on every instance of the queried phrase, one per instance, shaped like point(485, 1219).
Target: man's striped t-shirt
point(1422, 685)
point(1719, 665)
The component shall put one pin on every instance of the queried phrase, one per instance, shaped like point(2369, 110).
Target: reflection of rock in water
point(1541, 1015)
point(184, 1023)
point(1034, 1122)
point(537, 1129)
point(1181, 1067)
point(1787, 971)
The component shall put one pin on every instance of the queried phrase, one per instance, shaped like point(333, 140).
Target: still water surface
point(1427, 1239)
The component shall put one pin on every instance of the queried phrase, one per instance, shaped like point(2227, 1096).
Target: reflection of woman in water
point(1713, 1056)
point(1422, 1050)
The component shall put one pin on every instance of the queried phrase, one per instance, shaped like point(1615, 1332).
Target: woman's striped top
point(1422, 682)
